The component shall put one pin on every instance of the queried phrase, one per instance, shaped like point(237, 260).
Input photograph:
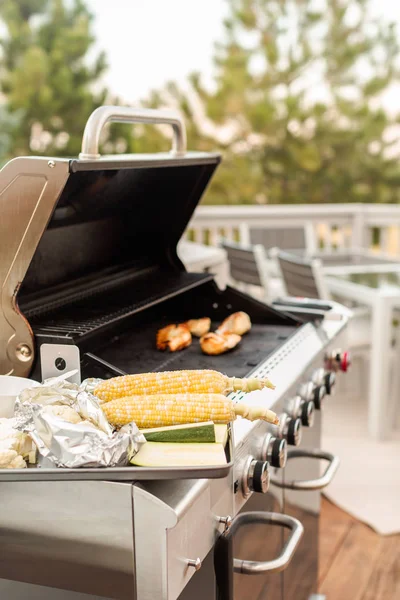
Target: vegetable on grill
point(176, 382)
point(176, 409)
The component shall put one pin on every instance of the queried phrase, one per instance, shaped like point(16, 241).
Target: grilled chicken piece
point(218, 343)
point(174, 337)
point(238, 322)
point(199, 327)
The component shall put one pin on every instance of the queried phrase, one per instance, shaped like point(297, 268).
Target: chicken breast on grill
point(199, 327)
point(218, 343)
point(173, 337)
point(238, 322)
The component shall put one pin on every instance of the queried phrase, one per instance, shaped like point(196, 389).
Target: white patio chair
point(291, 238)
point(304, 277)
point(248, 268)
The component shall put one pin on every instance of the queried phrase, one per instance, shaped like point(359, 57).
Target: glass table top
point(372, 280)
point(347, 259)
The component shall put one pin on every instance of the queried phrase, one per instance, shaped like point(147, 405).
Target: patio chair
point(296, 239)
point(304, 277)
point(286, 237)
point(300, 276)
point(247, 265)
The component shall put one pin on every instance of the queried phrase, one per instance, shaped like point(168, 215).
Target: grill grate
point(90, 314)
point(135, 351)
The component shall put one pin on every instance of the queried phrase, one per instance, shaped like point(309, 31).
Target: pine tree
point(297, 93)
point(45, 78)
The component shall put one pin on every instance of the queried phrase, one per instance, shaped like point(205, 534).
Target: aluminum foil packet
point(89, 441)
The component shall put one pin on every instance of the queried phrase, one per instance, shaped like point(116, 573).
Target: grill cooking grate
point(135, 351)
point(90, 314)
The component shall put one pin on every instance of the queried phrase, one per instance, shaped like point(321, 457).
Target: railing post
point(358, 227)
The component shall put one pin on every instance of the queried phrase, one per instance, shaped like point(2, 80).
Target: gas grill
point(90, 273)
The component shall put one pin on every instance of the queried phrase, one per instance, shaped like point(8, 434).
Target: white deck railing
point(336, 226)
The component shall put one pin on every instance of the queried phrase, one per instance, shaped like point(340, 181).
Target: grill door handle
point(225, 564)
point(310, 484)
point(123, 114)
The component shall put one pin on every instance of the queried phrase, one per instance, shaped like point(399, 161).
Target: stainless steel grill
point(91, 263)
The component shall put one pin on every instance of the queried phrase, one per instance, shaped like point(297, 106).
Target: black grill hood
point(114, 215)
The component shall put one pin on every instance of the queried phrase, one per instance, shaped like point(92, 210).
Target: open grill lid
point(118, 213)
point(77, 222)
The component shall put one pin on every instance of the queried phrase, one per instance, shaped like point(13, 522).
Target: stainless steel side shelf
point(129, 474)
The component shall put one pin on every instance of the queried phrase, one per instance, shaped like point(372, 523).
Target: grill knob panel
point(258, 476)
point(307, 413)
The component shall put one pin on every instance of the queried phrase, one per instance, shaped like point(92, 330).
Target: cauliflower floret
point(14, 439)
point(63, 412)
point(17, 463)
point(7, 455)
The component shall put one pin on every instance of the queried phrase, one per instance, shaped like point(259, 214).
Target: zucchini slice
point(190, 433)
point(163, 454)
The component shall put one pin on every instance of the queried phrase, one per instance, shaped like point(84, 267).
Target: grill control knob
point(293, 434)
point(307, 413)
point(298, 407)
point(258, 476)
point(306, 391)
point(326, 378)
point(275, 451)
point(338, 360)
point(319, 394)
point(290, 429)
point(329, 381)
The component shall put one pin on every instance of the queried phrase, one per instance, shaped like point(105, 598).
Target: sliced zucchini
point(221, 434)
point(192, 432)
point(163, 454)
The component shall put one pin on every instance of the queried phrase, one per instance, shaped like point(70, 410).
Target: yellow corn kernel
point(175, 409)
point(176, 382)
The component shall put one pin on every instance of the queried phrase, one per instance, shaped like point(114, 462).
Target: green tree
point(45, 77)
point(297, 94)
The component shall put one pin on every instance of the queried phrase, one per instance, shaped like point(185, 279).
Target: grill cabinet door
point(301, 577)
point(254, 542)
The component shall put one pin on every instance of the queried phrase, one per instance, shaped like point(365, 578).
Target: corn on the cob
point(176, 382)
point(168, 409)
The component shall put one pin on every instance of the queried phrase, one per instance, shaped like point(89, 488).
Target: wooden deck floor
point(355, 562)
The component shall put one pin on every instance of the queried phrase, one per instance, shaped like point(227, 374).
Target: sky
point(150, 42)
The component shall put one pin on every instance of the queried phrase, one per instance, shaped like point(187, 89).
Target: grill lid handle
point(123, 114)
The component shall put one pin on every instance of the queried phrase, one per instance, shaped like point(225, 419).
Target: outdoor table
point(352, 261)
point(381, 292)
point(199, 257)
point(357, 261)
